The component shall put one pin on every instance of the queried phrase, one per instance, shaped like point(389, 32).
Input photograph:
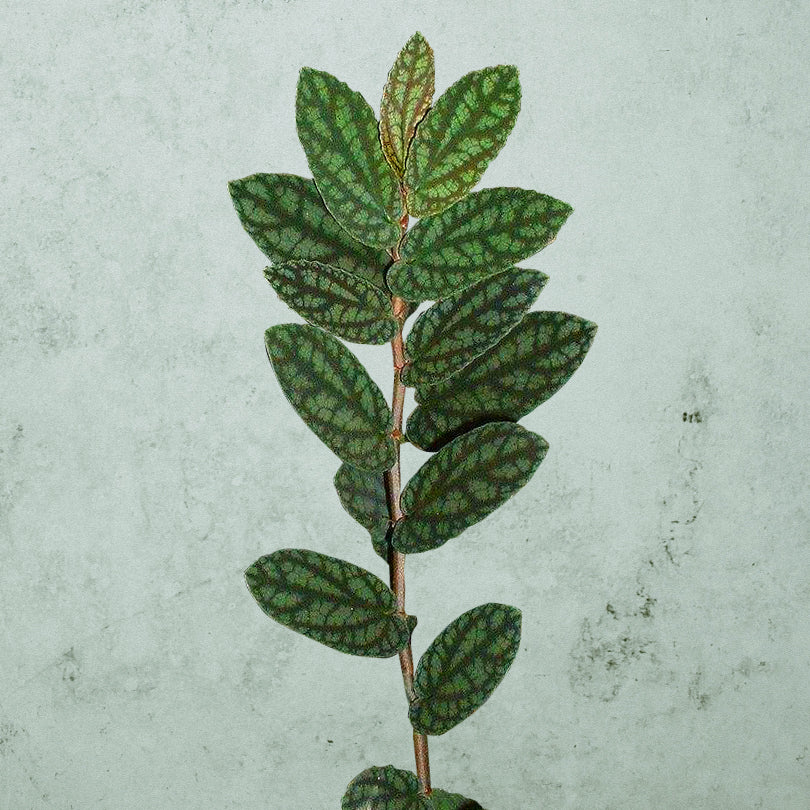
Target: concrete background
point(660, 555)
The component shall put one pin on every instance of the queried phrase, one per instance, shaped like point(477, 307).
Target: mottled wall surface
point(147, 455)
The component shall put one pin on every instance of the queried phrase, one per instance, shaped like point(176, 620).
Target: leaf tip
point(272, 338)
point(511, 75)
point(235, 188)
point(304, 86)
point(253, 572)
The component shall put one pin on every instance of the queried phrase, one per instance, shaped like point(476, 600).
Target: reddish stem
point(396, 560)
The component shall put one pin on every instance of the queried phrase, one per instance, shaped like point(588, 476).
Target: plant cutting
point(475, 359)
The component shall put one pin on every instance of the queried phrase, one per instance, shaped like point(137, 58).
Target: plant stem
point(396, 560)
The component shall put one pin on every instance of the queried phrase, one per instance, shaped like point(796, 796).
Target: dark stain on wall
point(612, 647)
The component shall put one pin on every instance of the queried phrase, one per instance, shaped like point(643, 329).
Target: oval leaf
point(286, 218)
point(345, 304)
point(456, 330)
point(478, 236)
point(464, 131)
point(333, 394)
point(529, 365)
point(464, 482)
point(384, 788)
point(406, 98)
point(329, 600)
point(338, 131)
point(463, 666)
point(362, 495)
point(390, 788)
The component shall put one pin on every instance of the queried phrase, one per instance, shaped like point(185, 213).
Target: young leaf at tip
point(509, 380)
point(463, 666)
point(331, 601)
point(406, 98)
point(362, 495)
point(479, 236)
point(340, 302)
point(464, 482)
point(285, 216)
point(339, 133)
point(462, 133)
point(454, 331)
point(333, 393)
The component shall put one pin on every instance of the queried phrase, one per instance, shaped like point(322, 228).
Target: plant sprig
point(345, 260)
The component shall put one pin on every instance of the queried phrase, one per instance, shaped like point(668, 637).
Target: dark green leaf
point(333, 394)
point(343, 303)
point(363, 497)
point(442, 800)
point(329, 600)
point(384, 788)
point(464, 482)
point(480, 235)
point(285, 216)
point(456, 330)
point(509, 380)
point(406, 98)
point(463, 666)
point(389, 788)
point(338, 131)
point(458, 138)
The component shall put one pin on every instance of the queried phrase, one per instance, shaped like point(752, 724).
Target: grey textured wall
point(660, 554)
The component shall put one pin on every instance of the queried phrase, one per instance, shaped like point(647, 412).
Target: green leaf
point(478, 236)
point(384, 788)
point(345, 304)
point(456, 330)
point(529, 365)
point(464, 482)
point(466, 128)
point(390, 788)
point(463, 666)
point(338, 131)
point(406, 98)
point(286, 218)
point(331, 601)
point(442, 800)
point(333, 394)
point(362, 495)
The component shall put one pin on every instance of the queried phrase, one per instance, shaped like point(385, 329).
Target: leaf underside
point(287, 219)
point(332, 392)
point(513, 377)
point(482, 234)
point(362, 495)
point(334, 299)
point(464, 482)
point(462, 133)
point(329, 600)
point(406, 98)
point(339, 133)
point(390, 788)
point(463, 666)
point(453, 332)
